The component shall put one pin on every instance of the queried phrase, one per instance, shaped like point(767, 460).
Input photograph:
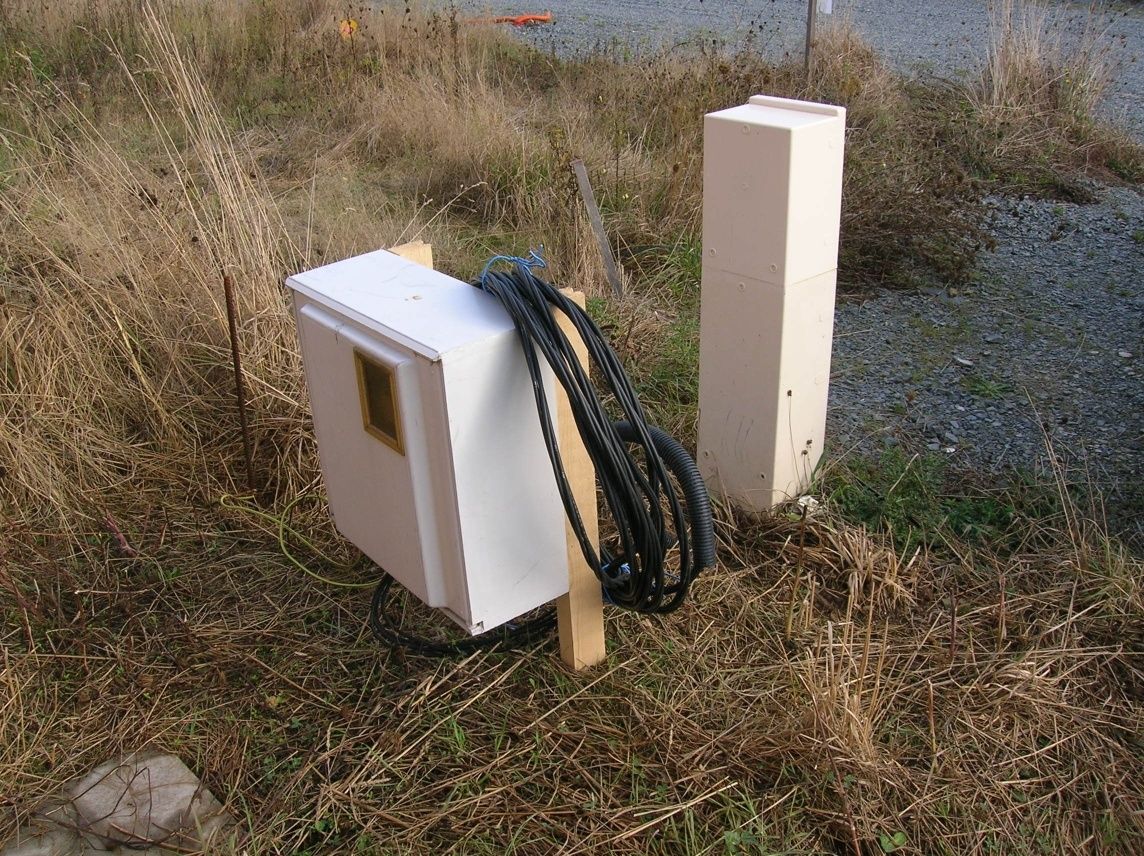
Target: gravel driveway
point(1047, 345)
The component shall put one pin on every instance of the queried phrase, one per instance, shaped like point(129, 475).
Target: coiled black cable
point(636, 482)
point(695, 497)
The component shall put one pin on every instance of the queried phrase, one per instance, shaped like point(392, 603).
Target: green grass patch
point(917, 500)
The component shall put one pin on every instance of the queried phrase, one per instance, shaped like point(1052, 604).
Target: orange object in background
point(524, 20)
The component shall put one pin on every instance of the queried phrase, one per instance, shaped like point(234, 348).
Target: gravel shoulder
point(1044, 349)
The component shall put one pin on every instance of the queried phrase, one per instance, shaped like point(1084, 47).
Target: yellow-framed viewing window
point(377, 387)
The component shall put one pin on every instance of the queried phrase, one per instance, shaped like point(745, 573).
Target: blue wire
point(534, 260)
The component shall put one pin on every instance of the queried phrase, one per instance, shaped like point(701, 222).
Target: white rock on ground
point(149, 804)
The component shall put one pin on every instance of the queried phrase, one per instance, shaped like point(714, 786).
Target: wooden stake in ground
point(580, 613)
point(610, 267)
point(239, 387)
point(811, 14)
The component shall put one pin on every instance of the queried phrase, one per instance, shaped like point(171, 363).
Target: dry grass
point(821, 693)
point(970, 704)
point(1047, 69)
point(115, 265)
point(1036, 62)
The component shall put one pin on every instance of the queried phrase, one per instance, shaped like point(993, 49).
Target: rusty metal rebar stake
point(239, 386)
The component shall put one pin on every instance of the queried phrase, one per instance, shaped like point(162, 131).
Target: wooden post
point(811, 11)
point(415, 251)
point(610, 268)
point(580, 613)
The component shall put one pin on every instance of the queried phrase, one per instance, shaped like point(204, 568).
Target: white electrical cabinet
point(428, 436)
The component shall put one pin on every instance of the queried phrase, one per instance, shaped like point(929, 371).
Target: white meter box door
point(428, 437)
point(372, 462)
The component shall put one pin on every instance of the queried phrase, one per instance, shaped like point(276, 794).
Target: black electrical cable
point(695, 497)
point(636, 483)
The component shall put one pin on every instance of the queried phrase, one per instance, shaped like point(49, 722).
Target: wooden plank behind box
point(415, 251)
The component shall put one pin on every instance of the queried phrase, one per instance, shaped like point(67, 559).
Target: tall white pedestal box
point(428, 436)
point(772, 190)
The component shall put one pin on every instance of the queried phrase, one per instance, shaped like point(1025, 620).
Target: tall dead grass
point(114, 327)
point(819, 694)
point(1046, 60)
point(1036, 104)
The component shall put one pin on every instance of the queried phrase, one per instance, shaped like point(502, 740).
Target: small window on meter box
point(377, 386)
